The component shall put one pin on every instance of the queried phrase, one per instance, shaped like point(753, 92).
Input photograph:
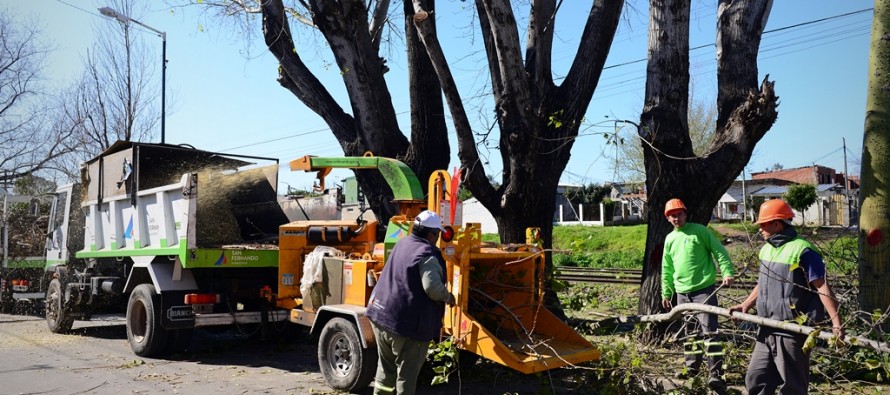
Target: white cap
point(429, 220)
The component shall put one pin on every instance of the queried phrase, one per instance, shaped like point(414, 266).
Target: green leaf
point(872, 364)
point(810, 343)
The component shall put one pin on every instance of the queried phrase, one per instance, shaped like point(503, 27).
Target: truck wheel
point(58, 316)
point(346, 366)
point(145, 334)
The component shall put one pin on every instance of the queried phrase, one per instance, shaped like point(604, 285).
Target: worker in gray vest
point(791, 284)
point(407, 306)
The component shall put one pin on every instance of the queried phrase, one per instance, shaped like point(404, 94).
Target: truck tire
point(145, 334)
point(58, 315)
point(345, 365)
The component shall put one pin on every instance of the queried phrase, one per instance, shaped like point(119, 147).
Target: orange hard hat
point(775, 209)
point(672, 205)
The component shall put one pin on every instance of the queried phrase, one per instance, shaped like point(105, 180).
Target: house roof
point(772, 190)
point(800, 175)
point(734, 193)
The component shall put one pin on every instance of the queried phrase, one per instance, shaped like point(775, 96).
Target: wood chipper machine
point(499, 312)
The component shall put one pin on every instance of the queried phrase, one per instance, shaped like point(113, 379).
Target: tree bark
point(874, 220)
point(373, 126)
point(745, 114)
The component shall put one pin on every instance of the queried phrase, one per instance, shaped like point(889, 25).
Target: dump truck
point(25, 223)
point(179, 238)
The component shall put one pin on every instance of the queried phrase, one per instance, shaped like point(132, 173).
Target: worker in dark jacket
point(791, 285)
point(407, 306)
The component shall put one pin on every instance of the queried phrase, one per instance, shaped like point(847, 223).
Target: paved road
point(96, 359)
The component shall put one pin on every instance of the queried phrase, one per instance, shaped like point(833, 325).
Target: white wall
point(476, 212)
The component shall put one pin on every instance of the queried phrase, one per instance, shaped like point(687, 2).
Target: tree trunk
point(745, 114)
point(874, 221)
point(373, 126)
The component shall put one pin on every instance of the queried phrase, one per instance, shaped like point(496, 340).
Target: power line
point(78, 8)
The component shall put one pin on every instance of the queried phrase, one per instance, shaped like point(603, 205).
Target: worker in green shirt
point(688, 270)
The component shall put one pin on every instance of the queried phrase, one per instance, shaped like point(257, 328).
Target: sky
point(223, 96)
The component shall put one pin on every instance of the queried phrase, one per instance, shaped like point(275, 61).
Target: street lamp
point(106, 11)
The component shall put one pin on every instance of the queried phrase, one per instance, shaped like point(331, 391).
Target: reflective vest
point(399, 302)
point(784, 287)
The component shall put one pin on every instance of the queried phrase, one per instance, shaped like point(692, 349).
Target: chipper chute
point(500, 314)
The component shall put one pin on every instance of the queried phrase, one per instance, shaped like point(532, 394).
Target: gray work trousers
point(399, 360)
point(707, 324)
point(778, 362)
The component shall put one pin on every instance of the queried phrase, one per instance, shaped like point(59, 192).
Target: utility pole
point(849, 220)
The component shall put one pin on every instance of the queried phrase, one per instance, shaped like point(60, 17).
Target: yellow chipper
point(499, 314)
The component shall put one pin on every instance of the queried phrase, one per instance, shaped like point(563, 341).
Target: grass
point(599, 247)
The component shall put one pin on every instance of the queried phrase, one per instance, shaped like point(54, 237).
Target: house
point(829, 208)
point(631, 201)
point(835, 205)
point(563, 212)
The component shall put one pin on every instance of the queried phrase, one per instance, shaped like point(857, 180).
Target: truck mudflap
point(176, 314)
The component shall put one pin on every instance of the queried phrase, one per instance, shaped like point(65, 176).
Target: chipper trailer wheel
point(144, 331)
point(58, 318)
point(346, 366)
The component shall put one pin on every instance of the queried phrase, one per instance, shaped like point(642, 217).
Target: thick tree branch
point(296, 77)
point(739, 28)
point(663, 122)
point(539, 45)
point(506, 60)
point(378, 21)
point(467, 153)
point(430, 149)
point(345, 27)
point(584, 75)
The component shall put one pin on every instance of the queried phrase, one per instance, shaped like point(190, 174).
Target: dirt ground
point(96, 359)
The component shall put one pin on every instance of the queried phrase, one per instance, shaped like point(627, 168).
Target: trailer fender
point(356, 314)
point(165, 275)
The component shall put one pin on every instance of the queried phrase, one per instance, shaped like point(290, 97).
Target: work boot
point(717, 385)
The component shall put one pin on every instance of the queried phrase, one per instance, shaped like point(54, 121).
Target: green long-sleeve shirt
point(687, 264)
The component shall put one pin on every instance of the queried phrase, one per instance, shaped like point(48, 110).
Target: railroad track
point(614, 276)
point(598, 276)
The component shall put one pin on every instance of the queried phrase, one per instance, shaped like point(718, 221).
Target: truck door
point(57, 233)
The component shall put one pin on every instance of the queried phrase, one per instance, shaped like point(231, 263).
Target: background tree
point(800, 197)
point(874, 220)
point(25, 107)
point(117, 96)
point(629, 165)
point(744, 114)
point(775, 167)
